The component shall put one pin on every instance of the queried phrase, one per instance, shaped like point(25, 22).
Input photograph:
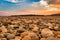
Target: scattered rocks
point(30, 28)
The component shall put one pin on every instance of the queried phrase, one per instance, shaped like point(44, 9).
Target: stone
point(50, 25)
point(57, 28)
point(20, 31)
point(10, 36)
point(53, 38)
point(16, 27)
point(1, 35)
point(0, 30)
point(17, 38)
point(35, 29)
point(11, 39)
point(27, 21)
point(33, 36)
point(10, 31)
point(57, 34)
point(35, 20)
point(46, 32)
point(26, 38)
point(3, 29)
point(43, 39)
point(29, 36)
point(3, 39)
point(24, 33)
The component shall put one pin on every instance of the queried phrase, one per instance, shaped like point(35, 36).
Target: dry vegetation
point(30, 28)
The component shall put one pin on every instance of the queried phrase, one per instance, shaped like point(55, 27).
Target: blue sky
point(15, 5)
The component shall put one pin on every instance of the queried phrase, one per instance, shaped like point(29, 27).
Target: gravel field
point(30, 28)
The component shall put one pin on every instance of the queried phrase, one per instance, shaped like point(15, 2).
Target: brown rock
point(57, 28)
point(10, 36)
point(3, 39)
point(1, 35)
point(17, 38)
point(46, 33)
point(50, 26)
point(3, 29)
point(24, 33)
point(35, 29)
point(35, 20)
point(27, 21)
point(26, 38)
point(43, 39)
point(53, 38)
point(29, 36)
point(33, 36)
point(57, 34)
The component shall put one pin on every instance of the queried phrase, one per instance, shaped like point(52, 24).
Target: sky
point(23, 7)
point(15, 4)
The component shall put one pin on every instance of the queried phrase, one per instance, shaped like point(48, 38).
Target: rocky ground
point(30, 28)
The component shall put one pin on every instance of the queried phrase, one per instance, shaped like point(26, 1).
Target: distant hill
point(28, 15)
point(58, 14)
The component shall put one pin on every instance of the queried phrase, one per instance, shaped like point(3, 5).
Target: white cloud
point(15, 1)
point(43, 5)
point(40, 5)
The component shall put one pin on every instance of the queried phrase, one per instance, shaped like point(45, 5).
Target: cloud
point(43, 5)
point(53, 1)
point(15, 1)
point(39, 4)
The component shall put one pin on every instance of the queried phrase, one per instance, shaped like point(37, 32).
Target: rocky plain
point(30, 28)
